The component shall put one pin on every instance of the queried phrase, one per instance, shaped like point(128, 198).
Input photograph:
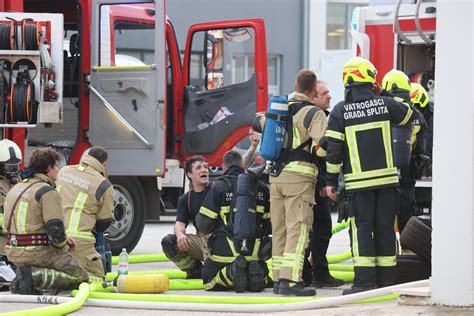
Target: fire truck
point(401, 36)
point(79, 73)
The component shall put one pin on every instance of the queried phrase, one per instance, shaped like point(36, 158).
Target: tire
point(129, 214)
point(411, 268)
point(416, 236)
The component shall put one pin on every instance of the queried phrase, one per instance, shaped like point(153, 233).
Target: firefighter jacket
point(38, 211)
point(215, 217)
point(87, 198)
point(360, 141)
point(309, 124)
point(418, 125)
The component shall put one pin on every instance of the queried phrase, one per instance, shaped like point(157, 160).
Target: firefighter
point(188, 251)
point(226, 267)
point(322, 224)
point(360, 145)
point(292, 191)
point(396, 83)
point(34, 221)
point(421, 101)
point(10, 159)
point(88, 199)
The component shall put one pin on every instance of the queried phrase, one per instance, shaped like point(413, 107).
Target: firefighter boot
point(256, 275)
point(195, 272)
point(239, 275)
point(24, 283)
point(55, 281)
point(297, 289)
point(357, 289)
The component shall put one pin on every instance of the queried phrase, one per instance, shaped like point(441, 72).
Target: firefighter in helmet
point(10, 159)
point(360, 146)
point(396, 83)
point(37, 243)
point(421, 101)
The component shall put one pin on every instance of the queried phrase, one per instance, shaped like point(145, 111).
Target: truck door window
point(216, 57)
point(127, 35)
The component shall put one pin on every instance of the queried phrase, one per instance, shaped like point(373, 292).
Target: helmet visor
point(9, 169)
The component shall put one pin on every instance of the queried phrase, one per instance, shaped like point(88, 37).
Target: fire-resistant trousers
point(373, 238)
point(291, 207)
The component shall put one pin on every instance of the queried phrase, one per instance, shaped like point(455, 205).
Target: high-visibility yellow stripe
point(353, 150)
point(371, 174)
point(355, 242)
point(296, 137)
point(222, 258)
point(300, 248)
point(81, 168)
point(335, 135)
point(223, 213)
point(371, 183)
point(77, 211)
point(260, 209)
point(21, 217)
point(387, 142)
point(333, 168)
point(363, 261)
point(266, 216)
point(82, 235)
point(386, 261)
point(295, 167)
point(58, 188)
point(207, 212)
point(408, 116)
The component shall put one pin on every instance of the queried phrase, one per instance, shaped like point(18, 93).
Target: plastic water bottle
point(123, 262)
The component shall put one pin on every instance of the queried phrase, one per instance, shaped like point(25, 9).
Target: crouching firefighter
point(88, 200)
point(235, 263)
point(34, 221)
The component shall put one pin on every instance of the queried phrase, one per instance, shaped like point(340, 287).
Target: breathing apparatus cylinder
point(245, 219)
point(274, 128)
point(138, 284)
point(401, 145)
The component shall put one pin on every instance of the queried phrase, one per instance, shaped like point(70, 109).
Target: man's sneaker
point(298, 289)
point(256, 277)
point(357, 289)
point(276, 287)
point(239, 274)
point(326, 281)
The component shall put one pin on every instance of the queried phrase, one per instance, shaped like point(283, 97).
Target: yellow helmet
point(418, 95)
point(396, 80)
point(358, 69)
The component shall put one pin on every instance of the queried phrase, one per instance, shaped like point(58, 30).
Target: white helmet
point(10, 157)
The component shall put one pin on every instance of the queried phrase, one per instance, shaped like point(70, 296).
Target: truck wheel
point(411, 268)
point(416, 236)
point(129, 214)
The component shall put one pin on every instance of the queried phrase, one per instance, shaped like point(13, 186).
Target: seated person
point(188, 251)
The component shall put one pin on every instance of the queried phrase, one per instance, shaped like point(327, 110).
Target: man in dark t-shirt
point(188, 251)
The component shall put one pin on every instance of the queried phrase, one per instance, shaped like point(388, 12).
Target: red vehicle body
point(403, 37)
point(173, 103)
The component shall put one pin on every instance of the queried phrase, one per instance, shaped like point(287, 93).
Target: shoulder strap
point(16, 203)
point(189, 203)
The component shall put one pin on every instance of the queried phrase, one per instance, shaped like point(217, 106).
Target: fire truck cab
point(124, 84)
point(401, 36)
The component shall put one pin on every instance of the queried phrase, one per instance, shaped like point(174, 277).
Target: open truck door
point(127, 107)
point(225, 73)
